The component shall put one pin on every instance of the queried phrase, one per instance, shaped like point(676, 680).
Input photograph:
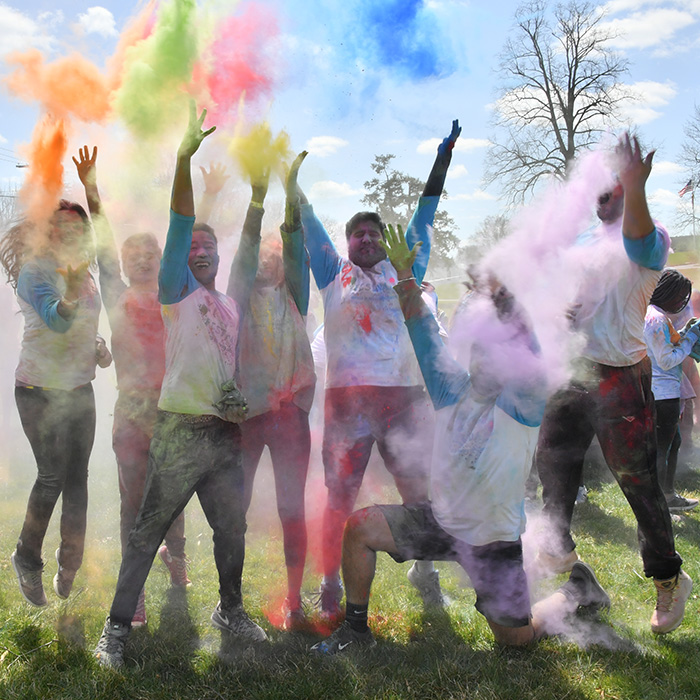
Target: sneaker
point(237, 622)
point(583, 588)
point(110, 649)
point(63, 580)
point(294, 616)
point(177, 567)
point(344, 639)
point(428, 586)
point(550, 565)
point(30, 584)
point(581, 496)
point(328, 600)
point(671, 595)
point(678, 504)
point(139, 619)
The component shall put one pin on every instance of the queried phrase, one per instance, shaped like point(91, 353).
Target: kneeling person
point(487, 427)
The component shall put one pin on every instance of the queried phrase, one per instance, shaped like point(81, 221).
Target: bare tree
point(559, 91)
point(690, 160)
point(393, 195)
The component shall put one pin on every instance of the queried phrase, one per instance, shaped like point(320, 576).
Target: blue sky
point(364, 77)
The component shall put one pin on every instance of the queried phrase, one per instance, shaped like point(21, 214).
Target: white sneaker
point(671, 595)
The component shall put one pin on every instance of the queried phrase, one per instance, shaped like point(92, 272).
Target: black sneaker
point(63, 580)
point(30, 583)
point(344, 639)
point(110, 649)
point(679, 504)
point(237, 622)
point(583, 588)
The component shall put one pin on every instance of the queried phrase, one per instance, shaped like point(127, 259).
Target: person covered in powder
point(138, 345)
point(196, 442)
point(487, 421)
point(667, 349)
point(373, 386)
point(48, 268)
point(609, 394)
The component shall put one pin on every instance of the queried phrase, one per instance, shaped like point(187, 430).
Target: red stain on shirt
point(365, 321)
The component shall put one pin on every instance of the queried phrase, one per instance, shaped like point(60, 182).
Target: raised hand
point(259, 183)
point(448, 143)
point(87, 172)
point(194, 135)
point(75, 278)
point(397, 251)
point(290, 184)
point(215, 179)
point(633, 169)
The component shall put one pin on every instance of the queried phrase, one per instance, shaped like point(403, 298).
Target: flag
point(686, 189)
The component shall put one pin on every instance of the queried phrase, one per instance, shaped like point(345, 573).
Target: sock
point(356, 616)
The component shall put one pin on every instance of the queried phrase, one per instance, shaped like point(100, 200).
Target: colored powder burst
point(156, 70)
point(238, 62)
point(258, 152)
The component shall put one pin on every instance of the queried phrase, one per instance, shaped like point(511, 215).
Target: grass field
point(47, 653)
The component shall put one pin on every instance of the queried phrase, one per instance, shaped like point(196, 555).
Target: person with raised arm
point(487, 421)
point(138, 346)
point(196, 443)
point(373, 387)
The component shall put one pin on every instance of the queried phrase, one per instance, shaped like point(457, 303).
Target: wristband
point(257, 205)
point(407, 279)
point(70, 305)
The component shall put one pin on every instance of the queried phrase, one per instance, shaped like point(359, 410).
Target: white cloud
point(666, 167)
point(476, 195)
point(19, 32)
point(324, 146)
point(457, 171)
point(642, 30)
point(2, 139)
point(644, 100)
point(327, 189)
point(98, 20)
point(663, 197)
point(463, 145)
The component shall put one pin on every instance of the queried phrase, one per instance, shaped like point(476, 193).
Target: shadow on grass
point(603, 526)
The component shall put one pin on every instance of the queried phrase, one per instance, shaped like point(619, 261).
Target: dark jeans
point(188, 458)
point(286, 433)
point(668, 438)
point(134, 423)
point(60, 426)
point(616, 404)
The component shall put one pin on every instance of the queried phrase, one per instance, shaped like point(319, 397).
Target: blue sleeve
point(176, 281)
point(445, 379)
point(651, 251)
point(296, 268)
point(38, 287)
point(419, 230)
point(324, 258)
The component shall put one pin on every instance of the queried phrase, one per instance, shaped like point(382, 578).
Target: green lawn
point(47, 653)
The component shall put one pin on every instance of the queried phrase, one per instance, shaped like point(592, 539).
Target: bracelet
point(70, 305)
point(257, 205)
point(406, 279)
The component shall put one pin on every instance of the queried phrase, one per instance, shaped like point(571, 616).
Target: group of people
point(206, 380)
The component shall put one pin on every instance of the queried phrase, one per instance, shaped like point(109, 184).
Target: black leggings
point(668, 439)
point(60, 426)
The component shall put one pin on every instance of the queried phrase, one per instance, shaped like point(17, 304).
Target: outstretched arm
point(176, 280)
point(111, 284)
point(420, 226)
point(294, 253)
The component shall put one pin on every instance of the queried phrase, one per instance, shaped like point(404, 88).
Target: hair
point(206, 228)
point(672, 292)
point(359, 218)
point(17, 246)
point(140, 239)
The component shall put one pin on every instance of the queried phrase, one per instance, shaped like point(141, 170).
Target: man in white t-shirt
point(610, 393)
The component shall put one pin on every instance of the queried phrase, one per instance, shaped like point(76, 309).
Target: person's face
point(66, 231)
point(363, 245)
point(141, 262)
point(610, 205)
point(204, 258)
point(270, 268)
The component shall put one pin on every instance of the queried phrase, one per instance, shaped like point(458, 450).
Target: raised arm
point(176, 280)
point(422, 220)
point(633, 174)
point(111, 284)
point(294, 253)
point(214, 180)
point(245, 262)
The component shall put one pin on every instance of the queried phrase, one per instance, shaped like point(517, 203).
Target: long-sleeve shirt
point(487, 426)
point(366, 341)
point(56, 353)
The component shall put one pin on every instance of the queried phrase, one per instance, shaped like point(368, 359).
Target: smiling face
point(363, 244)
point(141, 260)
point(204, 259)
point(66, 233)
